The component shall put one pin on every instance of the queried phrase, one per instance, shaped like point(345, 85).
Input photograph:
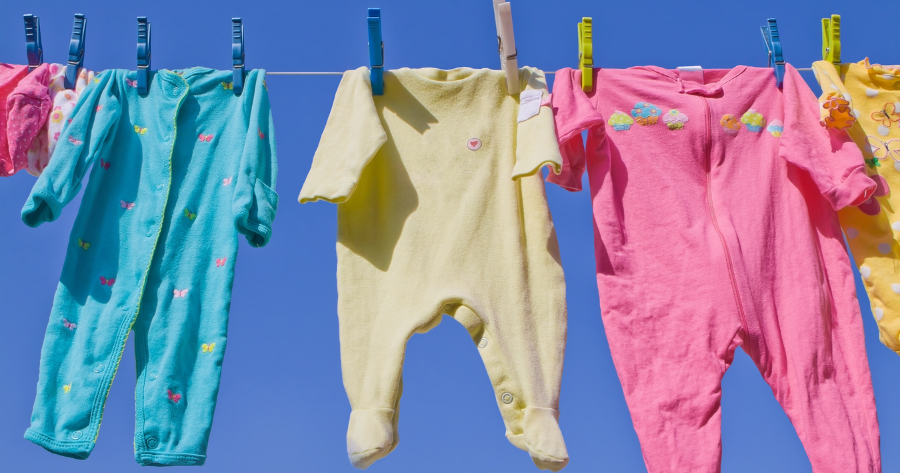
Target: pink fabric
point(10, 75)
point(27, 108)
point(709, 237)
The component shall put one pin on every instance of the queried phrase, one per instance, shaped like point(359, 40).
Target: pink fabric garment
point(715, 227)
point(27, 109)
point(10, 75)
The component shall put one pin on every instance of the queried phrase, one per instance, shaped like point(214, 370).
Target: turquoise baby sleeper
point(175, 176)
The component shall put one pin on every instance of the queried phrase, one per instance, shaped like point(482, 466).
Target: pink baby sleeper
point(714, 202)
point(10, 75)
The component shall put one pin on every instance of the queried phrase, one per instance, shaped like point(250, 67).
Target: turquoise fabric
point(175, 176)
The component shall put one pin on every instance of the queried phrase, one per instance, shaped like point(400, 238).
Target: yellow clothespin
point(586, 53)
point(831, 39)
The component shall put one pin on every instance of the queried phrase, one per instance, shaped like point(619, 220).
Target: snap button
point(160, 187)
point(482, 343)
point(152, 376)
point(152, 442)
point(448, 308)
point(98, 367)
point(506, 398)
point(76, 435)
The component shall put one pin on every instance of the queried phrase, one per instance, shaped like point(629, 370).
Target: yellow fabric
point(873, 93)
point(441, 209)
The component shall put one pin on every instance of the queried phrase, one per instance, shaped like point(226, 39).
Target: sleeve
point(830, 157)
point(28, 107)
point(82, 141)
point(352, 136)
point(573, 113)
point(536, 144)
point(255, 200)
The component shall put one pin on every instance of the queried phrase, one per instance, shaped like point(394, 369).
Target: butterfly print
point(83, 244)
point(68, 325)
point(181, 293)
point(104, 164)
point(140, 130)
point(226, 181)
point(262, 135)
point(228, 85)
point(220, 262)
point(190, 215)
point(56, 136)
point(67, 388)
point(75, 141)
point(126, 205)
point(208, 348)
point(131, 83)
point(885, 149)
point(887, 116)
point(99, 107)
point(107, 282)
point(206, 138)
point(174, 397)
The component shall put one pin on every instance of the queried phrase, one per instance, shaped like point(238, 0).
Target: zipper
point(715, 222)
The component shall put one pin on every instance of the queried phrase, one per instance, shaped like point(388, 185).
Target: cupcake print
point(775, 128)
point(620, 121)
point(646, 113)
point(730, 124)
point(675, 120)
point(753, 120)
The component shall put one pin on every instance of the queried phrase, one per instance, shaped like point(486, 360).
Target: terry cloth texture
point(864, 100)
point(175, 175)
point(441, 209)
point(38, 110)
point(716, 227)
point(10, 75)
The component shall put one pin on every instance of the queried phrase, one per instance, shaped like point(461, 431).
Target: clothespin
point(506, 42)
point(76, 50)
point(237, 54)
point(773, 47)
point(586, 53)
point(376, 51)
point(143, 55)
point(33, 46)
point(831, 39)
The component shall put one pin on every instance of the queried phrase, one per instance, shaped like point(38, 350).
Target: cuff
point(855, 189)
point(256, 222)
point(41, 207)
point(78, 449)
point(169, 459)
point(569, 179)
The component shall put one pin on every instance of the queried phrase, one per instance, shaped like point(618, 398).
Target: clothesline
point(341, 73)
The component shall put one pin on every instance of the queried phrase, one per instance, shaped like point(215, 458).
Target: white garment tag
point(529, 104)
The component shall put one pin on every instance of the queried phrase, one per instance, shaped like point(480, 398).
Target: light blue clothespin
point(76, 51)
point(376, 51)
point(143, 55)
point(33, 46)
point(773, 47)
point(237, 54)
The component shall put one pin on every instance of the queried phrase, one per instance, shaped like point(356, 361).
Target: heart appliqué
point(474, 144)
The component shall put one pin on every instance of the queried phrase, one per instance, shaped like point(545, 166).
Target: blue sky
point(282, 405)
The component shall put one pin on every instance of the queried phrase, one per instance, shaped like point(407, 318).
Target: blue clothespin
point(76, 51)
point(237, 54)
point(773, 47)
point(33, 45)
point(376, 51)
point(143, 55)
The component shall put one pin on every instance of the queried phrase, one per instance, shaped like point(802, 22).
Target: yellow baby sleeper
point(864, 100)
point(441, 209)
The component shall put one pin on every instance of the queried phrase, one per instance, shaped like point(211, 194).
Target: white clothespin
point(506, 41)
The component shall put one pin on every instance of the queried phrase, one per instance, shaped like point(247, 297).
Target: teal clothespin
point(237, 54)
point(143, 55)
point(76, 50)
point(33, 46)
point(773, 47)
point(376, 51)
